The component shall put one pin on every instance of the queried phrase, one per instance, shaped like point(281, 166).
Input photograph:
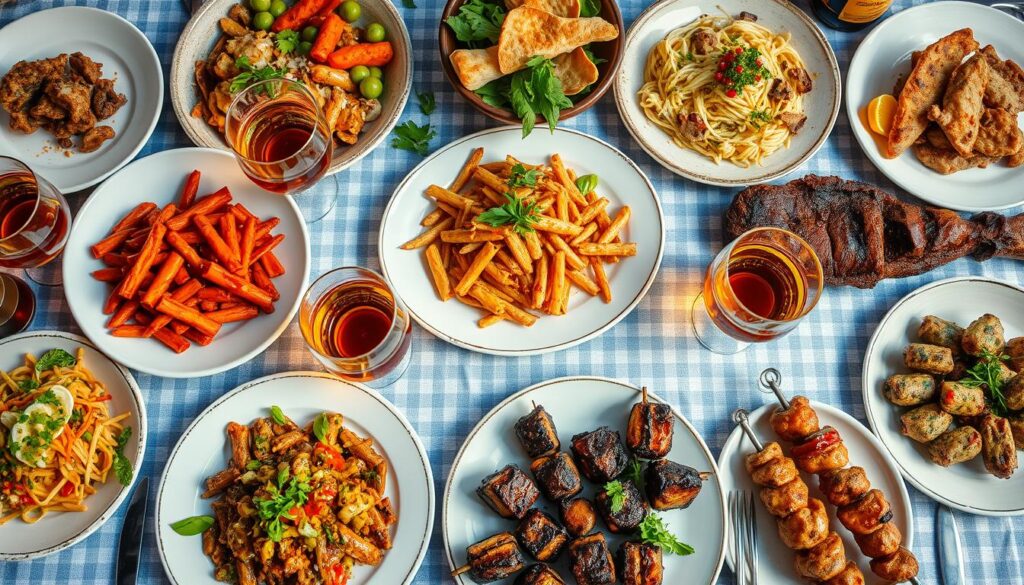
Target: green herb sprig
point(55, 358)
point(617, 494)
point(586, 183)
point(123, 467)
point(517, 212)
point(320, 427)
point(412, 137)
point(287, 40)
point(654, 530)
point(536, 91)
point(289, 493)
point(478, 21)
point(28, 385)
point(635, 472)
point(278, 415)
point(590, 8)
point(987, 373)
point(250, 75)
point(427, 102)
point(519, 176)
point(759, 117)
point(192, 525)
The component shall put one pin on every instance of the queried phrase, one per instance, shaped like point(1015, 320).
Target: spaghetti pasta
point(742, 127)
point(52, 459)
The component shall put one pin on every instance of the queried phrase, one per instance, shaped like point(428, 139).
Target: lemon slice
point(881, 111)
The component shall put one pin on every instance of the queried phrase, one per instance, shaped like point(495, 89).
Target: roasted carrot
point(107, 274)
point(237, 313)
point(205, 206)
point(133, 281)
point(114, 260)
point(112, 303)
point(217, 244)
point(121, 316)
point(229, 231)
point(129, 331)
point(132, 217)
point(216, 294)
point(262, 280)
point(239, 287)
point(328, 37)
point(247, 244)
point(182, 276)
point(162, 280)
point(183, 293)
point(178, 243)
point(198, 337)
point(368, 54)
point(189, 191)
point(110, 243)
point(264, 228)
point(188, 315)
point(272, 264)
point(166, 336)
point(266, 246)
point(297, 15)
point(318, 18)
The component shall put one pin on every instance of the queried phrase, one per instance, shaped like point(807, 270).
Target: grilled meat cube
point(771, 452)
point(537, 434)
point(600, 454)
point(867, 514)
point(557, 476)
point(850, 575)
point(639, 563)
point(494, 558)
point(898, 567)
point(1015, 349)
point(539, 574)
point(822, 451)
point(784, 500)
point(1014, 392)
point(824, 561)
point(806, 527)
point(997, 447)
point(796, 422)
point(509, 492)
point(671, 485)
point(649, 431)
point(882, 542)
point(844, 486)
point(541, 536)
point(591, 561)
point(628, 516)
point(578, 516)
point(774, 473)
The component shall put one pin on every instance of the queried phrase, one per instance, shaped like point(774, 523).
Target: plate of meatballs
point(584, 480)
point(944, 393)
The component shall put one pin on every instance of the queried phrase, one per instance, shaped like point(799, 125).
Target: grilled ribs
point(863, 234)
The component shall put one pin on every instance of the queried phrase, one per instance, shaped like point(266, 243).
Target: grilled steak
point(509, 492)
point(600, 454)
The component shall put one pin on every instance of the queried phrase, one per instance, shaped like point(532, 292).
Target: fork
point(744, 519)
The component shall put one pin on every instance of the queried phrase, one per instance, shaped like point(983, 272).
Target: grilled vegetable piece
point(600, 454)
point(866, 514)
point(494, 558)
point(955, 446)
point(1015, 349)
point(931, 359)
point(997, 447)
point(784, 500)
point(771, 452)
point(924, 423)
point(578, 516)
point(909, 389)
point(936, 331)
point(537, 434)
point(640, 563)
point(822, 451)
point(882, 542)
point(591, 561)
point(775, 473)
point(630, 512)
point(671, 485)
point(539, 574)
point(557, 476)
point(962, 400)
point(806, 527)
point(984, 334)
point(824, 561)
point(541, 536)
point(796, 422)
point(898, 567)
point(509, 492)
point(844, 486)
point(850, 575)
point(649, 430)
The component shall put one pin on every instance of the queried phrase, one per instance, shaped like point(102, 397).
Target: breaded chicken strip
point(960, 114)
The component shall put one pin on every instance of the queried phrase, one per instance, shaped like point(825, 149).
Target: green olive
point(371, 88)
point(305, 47)
point(260, 5)
point(375, 33)
point(262, 21)
point(351, 10)
point(359, 73)
point(376, 72)
point(309, 33)
point(277, 8)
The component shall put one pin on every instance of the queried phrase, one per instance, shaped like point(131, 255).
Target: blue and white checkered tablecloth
point(447, 390)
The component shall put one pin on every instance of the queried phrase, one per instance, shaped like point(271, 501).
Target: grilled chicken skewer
point(802, 521)
point(864, 511)
point(492, 559)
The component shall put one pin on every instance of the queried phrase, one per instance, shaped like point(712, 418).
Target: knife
point(951, 554)
point(130, 545)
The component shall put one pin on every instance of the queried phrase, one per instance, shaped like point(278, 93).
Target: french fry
point(162, 280)
point(519, 252)
point(580, 279)
point(429, 236)
point(509, 262)
point(557, 283)
point(470, 248)
point(571, 257)
point(482, 258)
point(438, 273)
point(566, 180)
point(432, 217)
point(556, 226)
point(533, 245)
point(615, 226)
point(602, 279)
point(620, 249)
point(487, 299)
point(524, 318)
point(454, 199)
point(540, 283)
point(491, 180)
point(583, 236)
point(488, 320)
point(470, 236)
point(188, 315)
point(467, 170)
point(592, 210)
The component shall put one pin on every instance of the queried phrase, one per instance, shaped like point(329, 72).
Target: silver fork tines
point(744, 520)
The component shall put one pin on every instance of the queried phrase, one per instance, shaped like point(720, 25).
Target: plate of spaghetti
point(72, 435)
point(728, 93)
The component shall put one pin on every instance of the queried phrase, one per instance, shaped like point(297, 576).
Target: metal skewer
point(771, 378)
point(741, 417)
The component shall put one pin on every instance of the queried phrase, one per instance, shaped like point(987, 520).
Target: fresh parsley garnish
point(250, 75)
point(586, 183)
point(518, 213)
point(278, 415)
point(495, 93)
point(593, 58)
point(55, 358)
point(757, 117)
point(320, 427)
point(653, 530)
point(535, 90)
point(988, 373)
point(122, 467)
point(635, 472)
point(427, 102)
point(478, 21)
point(409, 3)
point(27, 385)
point(48, 397)
point(193, 525)
point(520, 177)
point(287, 40)
point(287, 494)
point(617, 493)
point(252, 465)
point(689, 56)
point(742, 67)
point(590, 8)
point(412, 137)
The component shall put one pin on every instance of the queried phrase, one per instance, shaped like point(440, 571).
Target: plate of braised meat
point(586, 479)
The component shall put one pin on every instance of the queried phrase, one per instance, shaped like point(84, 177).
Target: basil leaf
point(192, 526)
point(55, 358)
point(320, 427)
point(586, 183)
point(278, 415)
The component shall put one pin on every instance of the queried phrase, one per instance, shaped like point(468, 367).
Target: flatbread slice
point(528, 32)
point(478, 67)
point(962, 107)
point(563, 8)
point(1006, 83)
point(924, 87)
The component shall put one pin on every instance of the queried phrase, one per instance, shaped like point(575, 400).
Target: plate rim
point(641, 294)
point(156, 66)
point(183, 371)
point(184, 116)
point(621, 95)
point(875, 442)
point(142, 434)
point(869, 148)
point(247, 386)
point(561, 380)
point(866, 389)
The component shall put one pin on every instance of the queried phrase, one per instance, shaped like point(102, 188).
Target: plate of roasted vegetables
point(587, 478)
point(943, 393)
point(330, 484)
point(354, 56)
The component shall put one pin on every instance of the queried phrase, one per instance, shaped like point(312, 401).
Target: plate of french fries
point(513, 246)
point(179, 266)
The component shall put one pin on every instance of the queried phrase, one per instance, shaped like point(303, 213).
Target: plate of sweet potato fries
point(181, 267)
point(514, 246)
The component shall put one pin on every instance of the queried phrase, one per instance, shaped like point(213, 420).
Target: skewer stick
point(742, 418)
point(914, 581)
point(461, 570)
point(770, 379)
point(643, 391)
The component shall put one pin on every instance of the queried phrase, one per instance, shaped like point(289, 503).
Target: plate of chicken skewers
point(546, 490)
point(831, 506)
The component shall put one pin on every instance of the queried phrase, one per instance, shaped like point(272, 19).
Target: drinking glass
point(34, 221)
point(757, 288)
point(356, 326)
point(282, 142)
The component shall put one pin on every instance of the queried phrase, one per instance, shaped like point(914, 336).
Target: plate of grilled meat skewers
point(586, 479)
point(831, 507)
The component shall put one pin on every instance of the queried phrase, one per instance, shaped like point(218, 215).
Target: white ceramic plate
point(621, 181)
point(158, 178)
point(822, 104)
point(577, 405)
point(203, 450)
point(127, 57)
point(966, 486)
point(775, 561)
point(201, 33)
point(59, 530)
point(884, 55)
